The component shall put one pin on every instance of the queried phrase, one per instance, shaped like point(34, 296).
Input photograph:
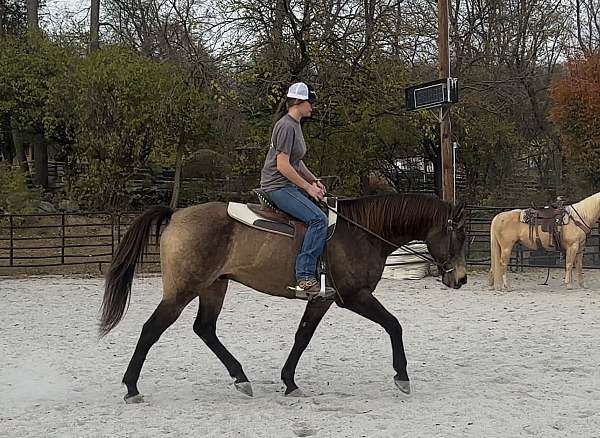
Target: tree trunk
point(40, 156)
point(6, 148)
point(177, 178)
point(433, 154)
point(32, 15)
point(20, 157)
point(95, 26)
point(2, 14)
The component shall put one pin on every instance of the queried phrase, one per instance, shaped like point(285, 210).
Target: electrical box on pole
point(434, 94)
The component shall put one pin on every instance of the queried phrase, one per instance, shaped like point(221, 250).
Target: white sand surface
point(482, 363)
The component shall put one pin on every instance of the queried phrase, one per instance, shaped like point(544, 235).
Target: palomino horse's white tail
point(495, 276)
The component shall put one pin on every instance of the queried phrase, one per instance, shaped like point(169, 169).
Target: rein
point(404, 247)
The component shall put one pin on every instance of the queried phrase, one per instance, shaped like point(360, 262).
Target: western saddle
point(550, 219)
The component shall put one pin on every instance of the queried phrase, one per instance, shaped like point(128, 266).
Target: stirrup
point(322, 293)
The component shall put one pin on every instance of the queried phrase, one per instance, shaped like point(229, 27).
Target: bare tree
point(94, 25)
point(169, 29)
point(587, 25)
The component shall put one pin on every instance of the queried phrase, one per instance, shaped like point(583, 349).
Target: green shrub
point(14, 195)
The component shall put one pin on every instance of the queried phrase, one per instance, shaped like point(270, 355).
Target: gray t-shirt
point(287, 138)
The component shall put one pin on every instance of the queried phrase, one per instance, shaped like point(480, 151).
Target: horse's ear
point(458, 213)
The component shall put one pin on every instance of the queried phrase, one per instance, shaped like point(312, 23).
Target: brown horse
point(202, 249)
point(507, 230)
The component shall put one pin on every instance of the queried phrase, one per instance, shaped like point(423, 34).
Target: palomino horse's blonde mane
point(589, 209)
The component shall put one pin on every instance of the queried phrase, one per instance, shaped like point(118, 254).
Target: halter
point(450, 229)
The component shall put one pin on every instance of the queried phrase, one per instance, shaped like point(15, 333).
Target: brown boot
point(311, 289)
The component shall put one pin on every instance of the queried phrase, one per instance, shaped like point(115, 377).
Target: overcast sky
point(59, 11)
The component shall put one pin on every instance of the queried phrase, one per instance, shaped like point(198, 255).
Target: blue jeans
point(296, 203)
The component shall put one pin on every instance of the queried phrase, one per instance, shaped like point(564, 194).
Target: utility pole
point(444, 72)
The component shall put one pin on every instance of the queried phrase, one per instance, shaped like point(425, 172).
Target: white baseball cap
point(301, 91)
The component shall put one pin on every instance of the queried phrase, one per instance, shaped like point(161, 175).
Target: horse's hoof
point(403, 385)
point(138, 398)
point(296, 393)
point(244, 387)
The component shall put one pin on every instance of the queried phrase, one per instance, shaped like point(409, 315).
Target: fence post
point(62, 235)
point(593, 257)
point(468, 230)
point(118, 227)
point(11, 249)
point(521, 261)
point(112, 234)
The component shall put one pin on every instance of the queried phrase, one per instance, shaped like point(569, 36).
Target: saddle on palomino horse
point(265, 216)
point(550, 219)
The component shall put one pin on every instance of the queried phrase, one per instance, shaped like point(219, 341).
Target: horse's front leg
point(569, 261)
point(315, 310)
point(365, 304)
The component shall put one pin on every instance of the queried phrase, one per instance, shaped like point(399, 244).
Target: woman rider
point(289, 184)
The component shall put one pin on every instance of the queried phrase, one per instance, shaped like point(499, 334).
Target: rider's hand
point(315, 191)
point(321, 186)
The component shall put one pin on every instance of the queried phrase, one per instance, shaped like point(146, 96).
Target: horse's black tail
point(122, 268)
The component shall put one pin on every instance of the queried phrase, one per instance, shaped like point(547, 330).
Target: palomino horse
point(202, 249)
point(507, 230)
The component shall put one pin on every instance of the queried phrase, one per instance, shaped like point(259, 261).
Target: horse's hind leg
point(579, 269)
point(165, 314)
point(205, 326)
point(494, 256)
point(501, 270)
point(315, 310)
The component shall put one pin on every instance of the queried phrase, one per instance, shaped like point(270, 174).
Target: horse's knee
point(302, 338)
point(204, 330)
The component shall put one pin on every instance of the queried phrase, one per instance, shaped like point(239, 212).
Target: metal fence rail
point(63, 239)
point(69, 239)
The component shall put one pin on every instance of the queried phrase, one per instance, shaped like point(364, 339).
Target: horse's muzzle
point(450, 280)
point(461, 282)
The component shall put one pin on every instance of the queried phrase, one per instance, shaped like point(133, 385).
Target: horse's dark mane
point(393, 214)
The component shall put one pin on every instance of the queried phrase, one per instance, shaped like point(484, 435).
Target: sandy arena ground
point(483, 364)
